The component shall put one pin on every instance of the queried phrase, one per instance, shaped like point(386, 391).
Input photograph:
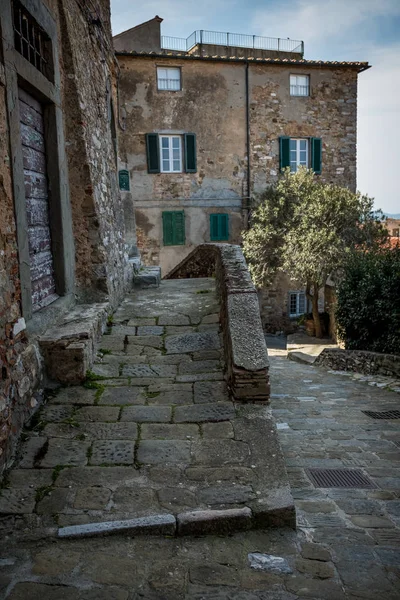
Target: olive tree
point(307, 228)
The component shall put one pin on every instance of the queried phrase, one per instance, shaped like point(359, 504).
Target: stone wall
point(211, 105)
point(360, 361)
point(83, 121)
point(330, 112)
point(247, 366)
point(90, 111)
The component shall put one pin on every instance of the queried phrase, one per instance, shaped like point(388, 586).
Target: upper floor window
point(298, 153)
point(299, 85)
point(32, 41)
point(171, 153)
point(168, 78)
point(395, 232)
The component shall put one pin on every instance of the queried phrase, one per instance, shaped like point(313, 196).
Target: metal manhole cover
point(339, 478)
point(387, 414)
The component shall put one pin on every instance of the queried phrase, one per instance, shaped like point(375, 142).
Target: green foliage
point(306, 228)
point(368, 301)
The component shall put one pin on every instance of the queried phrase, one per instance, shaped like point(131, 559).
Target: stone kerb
point(245, 349)
point(360, 361)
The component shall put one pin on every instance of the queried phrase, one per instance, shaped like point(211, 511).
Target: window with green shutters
point(294, 152)
point(219, 227)
point(174, 227)
point(171, 153)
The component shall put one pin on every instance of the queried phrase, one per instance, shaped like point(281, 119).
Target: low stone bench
point(69, 348)
point(244, 342)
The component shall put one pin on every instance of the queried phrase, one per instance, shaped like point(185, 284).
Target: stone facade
point(78, 97)
point(232, 103)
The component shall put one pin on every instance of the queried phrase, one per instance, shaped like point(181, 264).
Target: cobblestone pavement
point(153, 433)
point(347, 544)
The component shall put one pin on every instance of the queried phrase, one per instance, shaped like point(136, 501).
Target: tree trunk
point(315, 313)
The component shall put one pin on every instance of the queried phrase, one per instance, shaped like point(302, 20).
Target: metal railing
point(239, 40)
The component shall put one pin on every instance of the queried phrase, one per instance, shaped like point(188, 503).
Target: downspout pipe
point(248, 144)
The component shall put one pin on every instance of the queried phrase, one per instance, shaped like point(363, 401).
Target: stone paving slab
point(153, 430)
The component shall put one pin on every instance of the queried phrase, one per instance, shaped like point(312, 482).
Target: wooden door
point(37, 201)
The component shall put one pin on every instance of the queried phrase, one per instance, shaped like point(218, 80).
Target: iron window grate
point(32, 41)
point(339, 478)
point(387, 414)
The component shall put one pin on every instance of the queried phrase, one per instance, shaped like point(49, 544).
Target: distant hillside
point(392, 216)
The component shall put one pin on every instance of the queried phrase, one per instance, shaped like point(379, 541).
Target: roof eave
point(360, 66)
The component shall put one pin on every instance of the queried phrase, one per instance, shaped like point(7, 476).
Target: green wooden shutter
point(153, 153)
point(179, 228)
point(284, 152)
point(219, 227)
point(168, 228)
point(174, 228)
point(224, 227)
point(213, 227)
point(316, 155)
point(190, 153)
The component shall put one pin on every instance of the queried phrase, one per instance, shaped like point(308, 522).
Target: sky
point(366, 30)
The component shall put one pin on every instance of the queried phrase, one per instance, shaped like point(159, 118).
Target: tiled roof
point(360, 66)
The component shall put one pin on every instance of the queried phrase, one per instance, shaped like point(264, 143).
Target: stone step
point(147, 277)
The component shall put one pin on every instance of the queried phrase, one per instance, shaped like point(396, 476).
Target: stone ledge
point(196, 522)
point(245, 349)
point(201, 522)
point(69, 349)
point(152, 525)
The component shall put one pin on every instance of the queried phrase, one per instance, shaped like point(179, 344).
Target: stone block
point(97, 413)
point(147, 277)
point(191, 342)
point(154, 525)
point(143, 414)
point(65, 452)
point(122, 396)
point(173, 319)
point(112, 452)
point(150, 330)
point(92, 498)
point(207, 391)
point(153, 452)
point(154, 341)
point(216, 522)
point(160, 431)
point(135, 500)
point(199, 413)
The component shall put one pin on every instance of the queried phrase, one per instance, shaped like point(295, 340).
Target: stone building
point(211, 121)
point(62, 249)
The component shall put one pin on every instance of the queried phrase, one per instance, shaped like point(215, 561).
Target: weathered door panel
point(37, 201)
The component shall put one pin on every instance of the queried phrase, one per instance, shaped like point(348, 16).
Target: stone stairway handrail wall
point(247, 366)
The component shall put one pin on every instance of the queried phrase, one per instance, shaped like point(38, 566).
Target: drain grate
point(339, 478)
point(387, 414)
point(397, 443)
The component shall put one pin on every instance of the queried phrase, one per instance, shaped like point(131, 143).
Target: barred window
point(32, 41)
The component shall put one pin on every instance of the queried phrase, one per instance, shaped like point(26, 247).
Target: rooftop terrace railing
point(239, 40)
